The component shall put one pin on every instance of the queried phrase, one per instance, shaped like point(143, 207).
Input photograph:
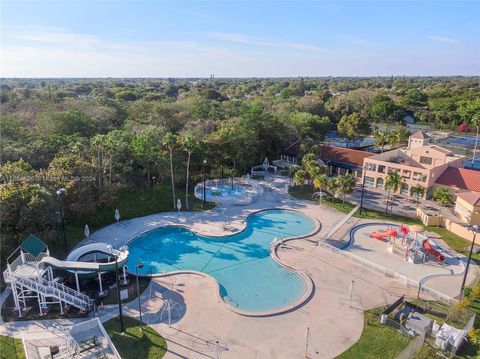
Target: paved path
point(334, 317)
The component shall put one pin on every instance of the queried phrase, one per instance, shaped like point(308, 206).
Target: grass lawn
point(11, 348)
point(377, 340)
point(131, 203)
point(455, 242)
point(135, 344)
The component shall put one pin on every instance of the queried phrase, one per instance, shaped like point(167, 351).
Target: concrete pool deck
point(335, 321)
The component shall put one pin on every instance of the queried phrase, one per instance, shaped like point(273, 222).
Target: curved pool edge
point(309, 291)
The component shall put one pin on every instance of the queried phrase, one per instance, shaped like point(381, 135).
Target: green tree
point(393, 183)
point(418, 191)
point(353, 127)
point(169, 141)
point(346, 185)
point(189, 144)
point(380, 138)
point(300, 177)
point(320, 182)
point(442, 195)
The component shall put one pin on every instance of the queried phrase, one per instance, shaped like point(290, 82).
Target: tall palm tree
point(291, 172)
point(379, 139)
point(320, 182)
point(189, 144)
point(300, 177)
point(393, 183)
point(333, 187)
point(169, 140)
point(346, 185)
point(418, 191)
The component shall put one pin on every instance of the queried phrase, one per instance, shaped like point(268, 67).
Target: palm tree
point(346, 185)
point(379, 139)
point(393, 183)
point(333, 187)
point(300, 177)
point(442, 195)
point(189, 144)
point(393, 138)
point(169, 140)
point(418, 191)
point(320, 182)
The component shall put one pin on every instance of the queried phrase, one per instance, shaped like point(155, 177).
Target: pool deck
point(334, 313)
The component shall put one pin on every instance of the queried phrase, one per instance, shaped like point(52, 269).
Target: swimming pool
point(249, 278)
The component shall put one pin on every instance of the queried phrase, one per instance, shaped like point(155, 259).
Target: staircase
point(416, 257)
point(48, 288)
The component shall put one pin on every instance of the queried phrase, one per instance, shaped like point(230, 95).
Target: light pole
point(154, 179)
point(118, 295)
point(475, 229)
point(363, 189)
point(203, 174)
point(139, 265)
point(60, 192)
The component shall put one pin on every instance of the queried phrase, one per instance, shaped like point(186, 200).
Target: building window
point(404, 189)
point(425, 160)
point(369, 181)
point(406, 174)
point(381, 169)
point(371, 166)
point(380, 182)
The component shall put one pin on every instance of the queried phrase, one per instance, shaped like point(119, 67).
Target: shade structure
point(117, 215)
point(179, 204)
point(86, 231)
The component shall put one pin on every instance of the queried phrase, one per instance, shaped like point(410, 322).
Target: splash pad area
point(237, 190)
point(385, 244)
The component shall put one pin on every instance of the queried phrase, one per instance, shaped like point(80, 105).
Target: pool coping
point(273, 253)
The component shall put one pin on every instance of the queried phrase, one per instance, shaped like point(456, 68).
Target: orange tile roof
point(470, 197)
point(461, 178)
point(343, 155)
point(420, 134)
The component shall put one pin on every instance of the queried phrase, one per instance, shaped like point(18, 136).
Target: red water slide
point(385, 234)
point(435, 253)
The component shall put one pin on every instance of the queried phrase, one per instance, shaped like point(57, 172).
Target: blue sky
point(239, 39)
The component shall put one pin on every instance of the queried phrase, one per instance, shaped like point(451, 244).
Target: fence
point(374, 267)
point(413, 347)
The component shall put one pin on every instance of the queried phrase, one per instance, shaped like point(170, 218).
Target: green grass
point(135, 344)
point(11, 348)
point(377, 340)
point(131, 203)
point(455, 242)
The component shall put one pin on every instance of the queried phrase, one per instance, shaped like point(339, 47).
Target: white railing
point(374, 267)
point(55, 289)
point(250, 190)
point(342, 222)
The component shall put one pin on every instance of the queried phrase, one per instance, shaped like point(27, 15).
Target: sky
point(238, 38)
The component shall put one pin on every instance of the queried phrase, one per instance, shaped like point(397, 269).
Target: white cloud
point(444, 39)
point(260, 41)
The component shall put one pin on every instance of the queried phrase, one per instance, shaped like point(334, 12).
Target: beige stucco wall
point(458, 229)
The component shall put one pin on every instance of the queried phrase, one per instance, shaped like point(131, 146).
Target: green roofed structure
point(33, 245)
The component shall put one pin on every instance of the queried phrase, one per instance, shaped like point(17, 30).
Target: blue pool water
point(249, 278)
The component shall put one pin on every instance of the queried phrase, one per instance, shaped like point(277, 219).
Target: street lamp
point(118, 294)
point(154, 179)
point(475, 229)
point(363, 189)
point(60, 192)
point(203, 174)
point(139, 265)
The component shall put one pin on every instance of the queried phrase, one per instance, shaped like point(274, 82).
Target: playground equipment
point(263, 169)
point(428, 248)
point(387, 233)
point(30, 273)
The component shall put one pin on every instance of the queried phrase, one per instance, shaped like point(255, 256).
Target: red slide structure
point(385, 234)
point(432, 251)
